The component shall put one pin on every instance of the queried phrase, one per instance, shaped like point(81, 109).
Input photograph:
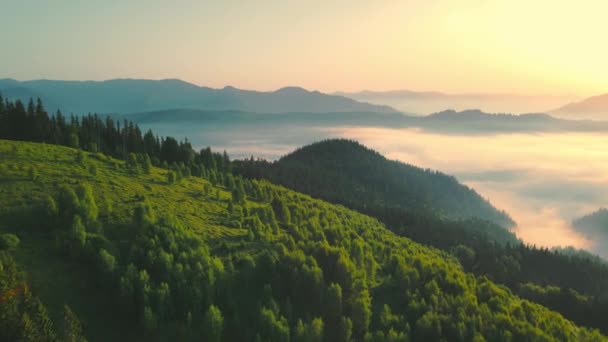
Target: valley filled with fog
point(543, 180)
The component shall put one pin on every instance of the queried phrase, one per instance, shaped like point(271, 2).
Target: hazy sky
point(516, 46)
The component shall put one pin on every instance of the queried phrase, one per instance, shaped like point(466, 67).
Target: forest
point(119, 235)
point(367, 183)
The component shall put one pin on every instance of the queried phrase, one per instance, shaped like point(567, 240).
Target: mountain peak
point(292, 90)
point(335, 149)
point(350, 167)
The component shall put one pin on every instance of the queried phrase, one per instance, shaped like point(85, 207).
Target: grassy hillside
point(138, 257)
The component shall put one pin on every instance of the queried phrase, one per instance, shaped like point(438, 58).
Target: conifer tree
point(72, 328)
point(213, 324)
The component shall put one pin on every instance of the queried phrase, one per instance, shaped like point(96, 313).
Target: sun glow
point(542, 47)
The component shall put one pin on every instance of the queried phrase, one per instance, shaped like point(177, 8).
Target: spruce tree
point(72, 328)
point(213, 324)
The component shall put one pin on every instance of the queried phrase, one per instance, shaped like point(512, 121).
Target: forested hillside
point(572, 283)
point(124, 250)
point(225, 258)
point(346, 172)
point(594, 225)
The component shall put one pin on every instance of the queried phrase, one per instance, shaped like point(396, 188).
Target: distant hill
point(425, 102)
point(595, 108)
point(594, 224)
point(478, 121)
point(449, 121)
point(594, 227)
point(347, 172)
point(135, 95)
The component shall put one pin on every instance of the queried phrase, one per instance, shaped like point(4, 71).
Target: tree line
point(92, 133)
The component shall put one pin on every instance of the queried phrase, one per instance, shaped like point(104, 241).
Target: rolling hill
point(141, 255)
point(134, 95)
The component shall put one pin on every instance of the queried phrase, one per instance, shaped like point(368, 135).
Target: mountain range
point(137, 95)
point(449, 121)
point(124, 96)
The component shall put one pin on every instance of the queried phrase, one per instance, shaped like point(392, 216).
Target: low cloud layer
point(543, 180)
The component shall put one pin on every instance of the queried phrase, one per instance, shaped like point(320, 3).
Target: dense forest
point(483, 247)
point(106, 249)
point(234, 260)
point(346, 172)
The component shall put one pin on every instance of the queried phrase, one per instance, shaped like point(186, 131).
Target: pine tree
point(29, 332)
point(73, 140)
point(40, 315)
point(147, 164)
point(72, 329)
point(213, 324)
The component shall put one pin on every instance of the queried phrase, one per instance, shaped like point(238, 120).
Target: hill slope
point(574, 284)
point(596, 221)
point(133, 95)
point(594, 226)
point(344, 171)
point(140, 258)
point(595, 108)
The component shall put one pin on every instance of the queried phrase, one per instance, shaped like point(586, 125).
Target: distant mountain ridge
point(121, 96)
point(425, 102)
point(595, 107)
point(449, 121)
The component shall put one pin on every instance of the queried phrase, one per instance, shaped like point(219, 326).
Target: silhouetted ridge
point(123, 96)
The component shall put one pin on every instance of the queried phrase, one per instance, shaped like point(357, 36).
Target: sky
point(511, 46)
